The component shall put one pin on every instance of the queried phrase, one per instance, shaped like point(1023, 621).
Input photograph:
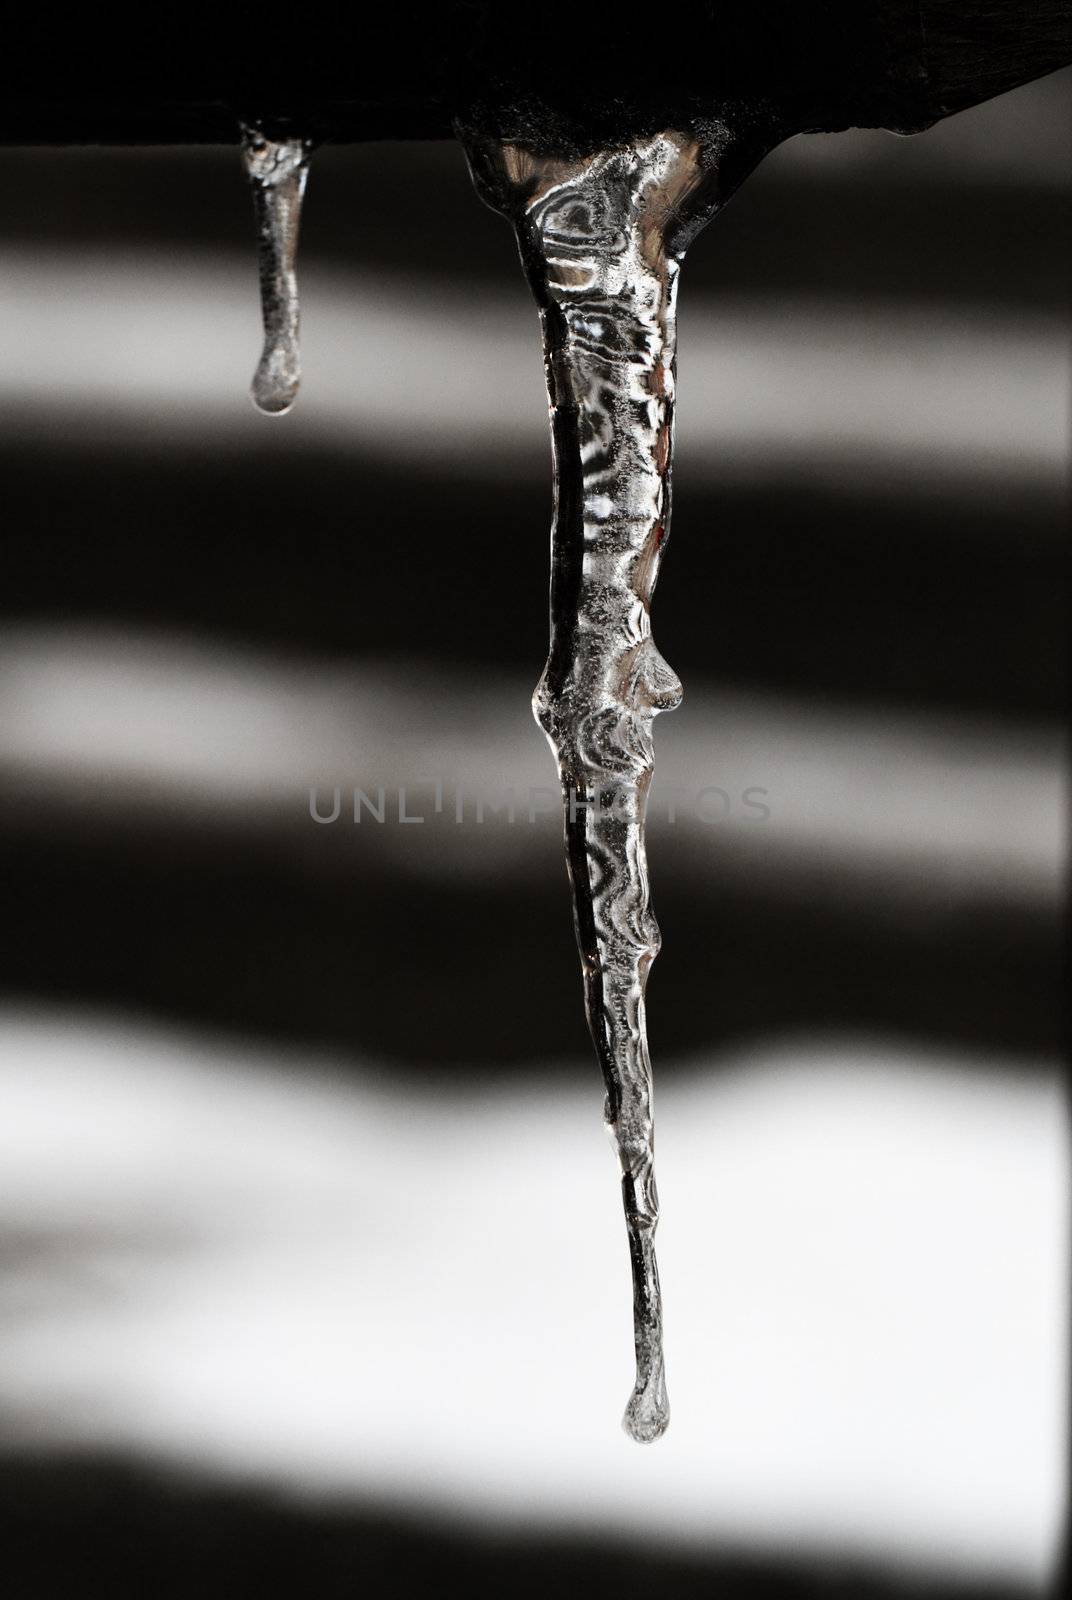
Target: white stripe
point(109, 343)
point(283, 1270)
point(943, 801)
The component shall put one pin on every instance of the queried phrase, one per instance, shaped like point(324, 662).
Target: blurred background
point(312, 1268)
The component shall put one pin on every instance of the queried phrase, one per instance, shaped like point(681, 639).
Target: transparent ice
point(277, 170)
point(602, 238)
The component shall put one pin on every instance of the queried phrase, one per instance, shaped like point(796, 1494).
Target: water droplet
point(602, 238)
point(277, 170)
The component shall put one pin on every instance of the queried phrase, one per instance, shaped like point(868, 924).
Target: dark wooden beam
point(192, 73)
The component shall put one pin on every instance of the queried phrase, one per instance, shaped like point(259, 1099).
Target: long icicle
point(601, 240)
point(277, 170)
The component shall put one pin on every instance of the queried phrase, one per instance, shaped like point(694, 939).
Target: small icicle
point(601, 240)
point(277, 170)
